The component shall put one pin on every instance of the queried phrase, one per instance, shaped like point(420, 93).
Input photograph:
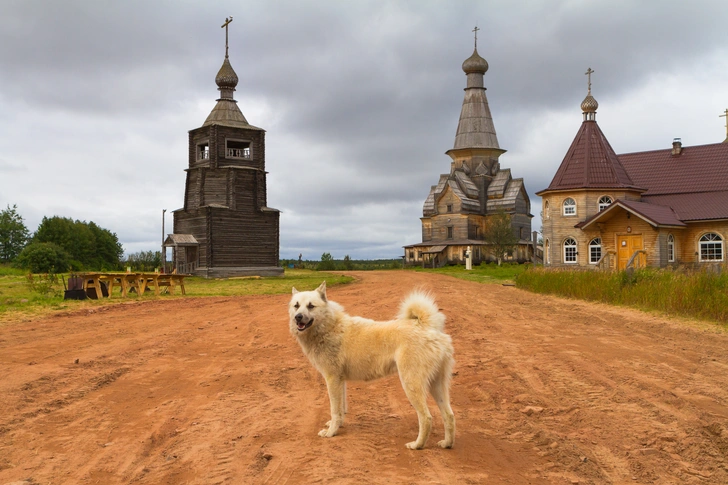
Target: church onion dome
point(589, 105)
point(475, 63)
point(226, 77)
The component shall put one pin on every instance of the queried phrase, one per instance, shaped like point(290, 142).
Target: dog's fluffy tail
point(421, 306)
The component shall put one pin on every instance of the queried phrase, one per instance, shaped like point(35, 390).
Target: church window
point(449, 232)
point(449, 207)
point(595, 250)
point(546, 209)
point(203, 151)
point(711, 247)
point(569, 207)
point(604, 202)
point(671, 248)
point(570, 250)
point(237, 149)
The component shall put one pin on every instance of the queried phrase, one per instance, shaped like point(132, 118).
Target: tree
point(144, 261)
point(348, 265)
point(89, 245)
point(13, 234)
point(327, 263)
point(43, 258)
point(499, 236)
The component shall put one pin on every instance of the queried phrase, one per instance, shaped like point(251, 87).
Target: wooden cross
point(725, 115)
point(476, 29)
point(589, 72)
point(225, 26)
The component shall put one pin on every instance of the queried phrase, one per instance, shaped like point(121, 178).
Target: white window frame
point(569, 208)
point(709, 244)
point(603, 204)
point(570, 246)
point(670, 248)
point(595, 244)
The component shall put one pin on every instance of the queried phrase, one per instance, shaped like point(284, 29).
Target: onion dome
point(589, 105)
point(226, 77)
point(475, 64)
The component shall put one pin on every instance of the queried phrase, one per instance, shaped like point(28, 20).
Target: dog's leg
point(346, 405)
point(417, 396)
point(335, 386)
point(441, 392)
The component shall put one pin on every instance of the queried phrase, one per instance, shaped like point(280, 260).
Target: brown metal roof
point(702, 168)
point(656, 215)
point(694, 183)
point(591, 162)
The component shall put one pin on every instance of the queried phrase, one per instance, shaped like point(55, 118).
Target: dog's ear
point(322, 290)
point(293, 290)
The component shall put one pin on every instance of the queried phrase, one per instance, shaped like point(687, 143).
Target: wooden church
point(658, 208)
point(226, 227)
point(459, 208)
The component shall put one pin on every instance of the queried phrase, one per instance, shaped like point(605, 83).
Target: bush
point(43, 258)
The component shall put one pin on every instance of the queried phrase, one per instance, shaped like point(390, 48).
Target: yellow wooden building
point(656, 208)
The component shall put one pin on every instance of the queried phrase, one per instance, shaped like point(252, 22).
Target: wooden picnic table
point(139, 282)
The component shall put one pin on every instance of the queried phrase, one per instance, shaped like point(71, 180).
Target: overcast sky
point(360, 101)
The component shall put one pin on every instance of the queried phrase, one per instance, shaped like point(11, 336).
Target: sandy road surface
point(206, 391)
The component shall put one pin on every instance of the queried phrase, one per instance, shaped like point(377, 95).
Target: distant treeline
point(328, 263)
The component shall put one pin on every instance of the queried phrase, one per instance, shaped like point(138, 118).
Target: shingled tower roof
point(590, 161)
point(475, 128)
point(227, 112)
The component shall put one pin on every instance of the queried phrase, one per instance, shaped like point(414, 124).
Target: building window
point(449, 207)
point(671, 248)
point(237, 149)
point(449, 232)
point(546, 209)
point(711, 247)
point(570, 251)
point(203, 151)
point(595, 250)
point(604, 202)
point(569, 207)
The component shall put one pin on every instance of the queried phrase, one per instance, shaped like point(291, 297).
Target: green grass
point(19, 301)
point(484, 273)
point(694, 294)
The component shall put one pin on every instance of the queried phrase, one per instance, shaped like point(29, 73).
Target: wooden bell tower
point(225, 227)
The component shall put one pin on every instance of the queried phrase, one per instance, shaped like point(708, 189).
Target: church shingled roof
point(591, 162)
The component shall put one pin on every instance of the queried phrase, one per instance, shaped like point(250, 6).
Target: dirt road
point(207, 391)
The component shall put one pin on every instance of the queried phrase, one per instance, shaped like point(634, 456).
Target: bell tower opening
point(237, 149)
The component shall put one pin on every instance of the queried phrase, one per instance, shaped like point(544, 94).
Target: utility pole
point(164, 250)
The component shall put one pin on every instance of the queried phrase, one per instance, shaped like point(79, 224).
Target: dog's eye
point(296, 306)
point(309, 306)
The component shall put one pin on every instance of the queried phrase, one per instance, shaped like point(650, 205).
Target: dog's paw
point(444, 444)
point(327, 433)
point(412, 445)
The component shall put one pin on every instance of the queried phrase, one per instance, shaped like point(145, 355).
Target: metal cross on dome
point(225, 26)
point(588, 73)
point(476, 29)
point(725, 115)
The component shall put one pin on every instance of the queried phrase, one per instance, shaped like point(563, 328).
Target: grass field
point(20, 300)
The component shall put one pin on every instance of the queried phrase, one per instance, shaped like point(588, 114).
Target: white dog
point(343, 348)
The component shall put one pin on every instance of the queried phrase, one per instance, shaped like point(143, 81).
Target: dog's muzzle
point(301, 324)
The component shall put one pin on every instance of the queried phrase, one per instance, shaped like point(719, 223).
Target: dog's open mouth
point(303, 326)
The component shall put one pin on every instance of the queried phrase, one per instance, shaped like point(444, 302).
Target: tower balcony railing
point(238, 153)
